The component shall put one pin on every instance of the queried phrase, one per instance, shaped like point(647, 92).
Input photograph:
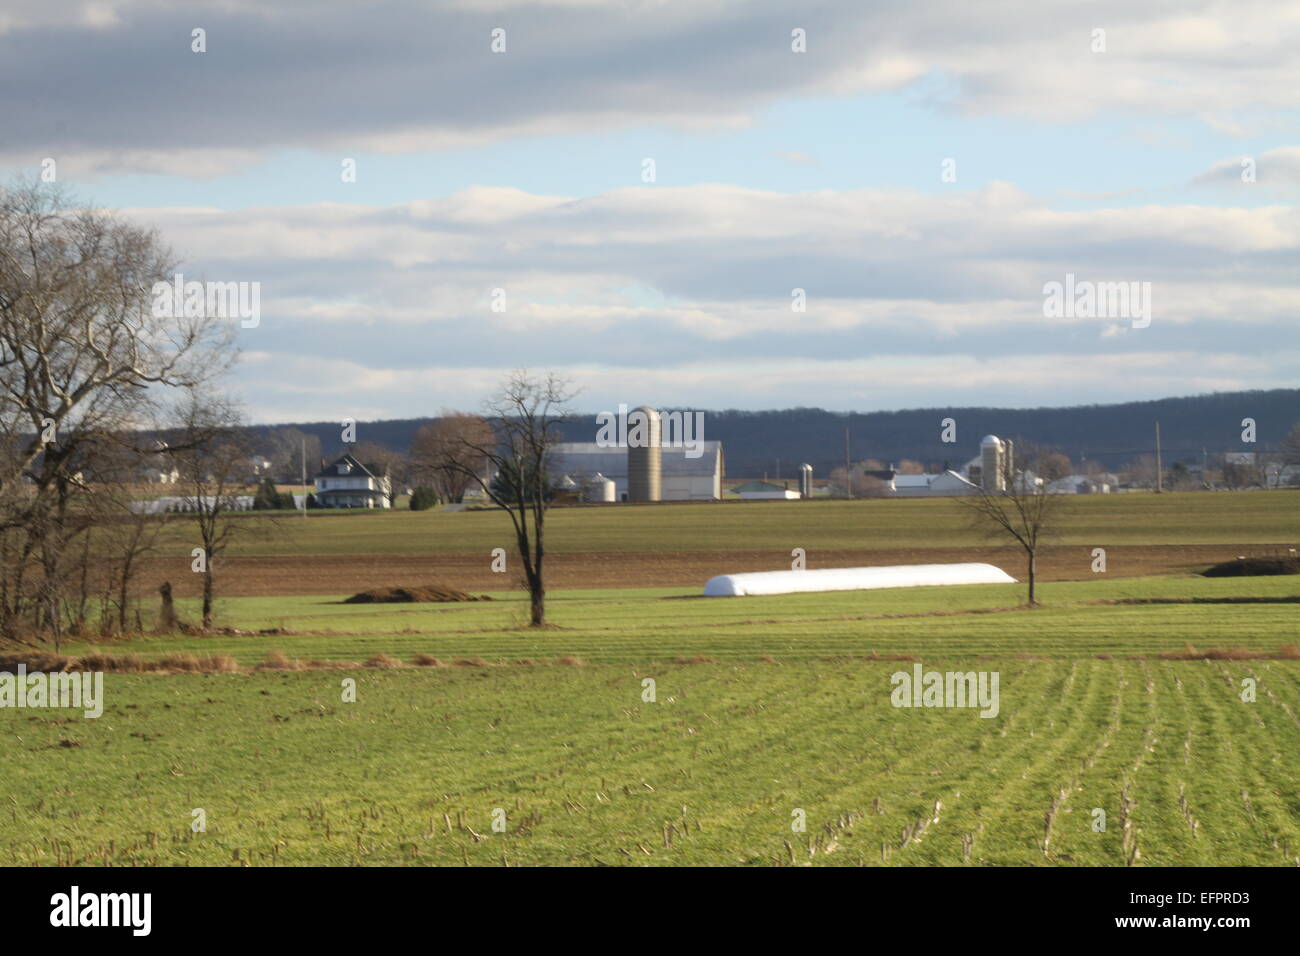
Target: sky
point(848, 204)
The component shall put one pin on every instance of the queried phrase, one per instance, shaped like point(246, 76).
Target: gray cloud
point(117, 87)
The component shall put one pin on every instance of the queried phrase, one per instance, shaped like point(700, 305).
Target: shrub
point(423, 498)
point(268, 498)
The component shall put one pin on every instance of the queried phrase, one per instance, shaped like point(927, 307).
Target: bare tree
point(294, 454)
point(523, 424)
point(1017, 507)
point(210, 451)
point(384, 462)
point(1053, 466)
point(444, 456)
point(1141, 471)
point(83, 357)
point(1291, 446)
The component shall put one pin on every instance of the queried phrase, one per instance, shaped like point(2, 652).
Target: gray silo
point(644, 456)
point(805, 481)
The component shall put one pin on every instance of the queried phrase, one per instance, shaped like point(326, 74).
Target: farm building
point(760, 490)
point(947, 485)
point(1078, 485)
point(347, 483)
point(681, 478)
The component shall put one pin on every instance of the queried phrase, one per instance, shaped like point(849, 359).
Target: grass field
point(1129, 519)
point(683, 545)
point(764, 707)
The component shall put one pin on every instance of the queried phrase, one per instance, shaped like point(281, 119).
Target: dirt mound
point(431, 593)
point(1244, 567)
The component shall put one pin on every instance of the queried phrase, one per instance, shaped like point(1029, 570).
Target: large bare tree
point(524, 422)
point(83, 359)
point(1017, 507)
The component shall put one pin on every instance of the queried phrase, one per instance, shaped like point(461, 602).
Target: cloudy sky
point(919, 170)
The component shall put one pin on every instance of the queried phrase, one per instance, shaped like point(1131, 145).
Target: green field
point(765, 706)
point(1130, 519)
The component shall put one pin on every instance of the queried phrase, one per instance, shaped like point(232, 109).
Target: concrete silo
point(805, 481)
point(644, 455)
point(995, 463)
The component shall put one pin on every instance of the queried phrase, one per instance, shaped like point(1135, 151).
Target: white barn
point(947, 485)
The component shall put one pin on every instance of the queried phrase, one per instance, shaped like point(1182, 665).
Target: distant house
point(760, 490)
point(162, 475)
point(347, 483)
point(1078, 485)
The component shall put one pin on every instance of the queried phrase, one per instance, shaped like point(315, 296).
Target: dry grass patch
point(1287, 652)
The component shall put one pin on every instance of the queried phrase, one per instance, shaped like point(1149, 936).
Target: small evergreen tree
point(423, 498)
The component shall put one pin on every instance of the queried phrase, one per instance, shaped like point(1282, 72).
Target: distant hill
point(1110, 434)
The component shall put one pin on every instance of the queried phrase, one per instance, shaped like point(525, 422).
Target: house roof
point(950, 479)
point(751, 486)
point(356, 468)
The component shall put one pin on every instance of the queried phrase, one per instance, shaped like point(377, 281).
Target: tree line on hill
point(1196, 432)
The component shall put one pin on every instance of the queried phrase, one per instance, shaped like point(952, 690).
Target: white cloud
point(915, 291)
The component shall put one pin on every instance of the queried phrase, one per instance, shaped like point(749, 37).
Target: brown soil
point(412, 595)
point(347, 574)
point(1245, 566)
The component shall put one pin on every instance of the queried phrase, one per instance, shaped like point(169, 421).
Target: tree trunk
point(207, 595)
point(538, 595)
point(124, 596)
point(167, 615)
point(1033, 574)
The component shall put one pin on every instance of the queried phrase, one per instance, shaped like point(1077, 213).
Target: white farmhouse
point(346, 483)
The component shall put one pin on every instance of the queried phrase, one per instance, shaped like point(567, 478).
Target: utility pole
point(304, 477)
point(1160, 468)
point(848, 475)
